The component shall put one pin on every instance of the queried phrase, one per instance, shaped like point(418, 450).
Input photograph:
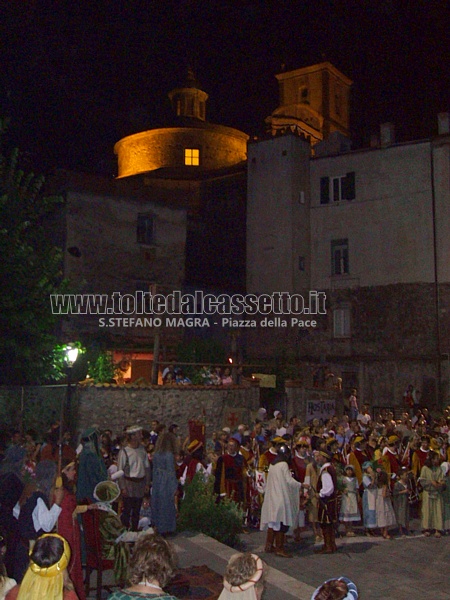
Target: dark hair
point(153, 558)
point(335, 589)
point(383, 478)
point(47, 551)
point(167, 442)
point(429, 459)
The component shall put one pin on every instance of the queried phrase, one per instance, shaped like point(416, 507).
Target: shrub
point(200, 512)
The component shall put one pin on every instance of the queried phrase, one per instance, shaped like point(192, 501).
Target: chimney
point(387, 134)
point(443, 123)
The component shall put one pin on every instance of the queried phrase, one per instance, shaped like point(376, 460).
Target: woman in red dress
point(69, 528)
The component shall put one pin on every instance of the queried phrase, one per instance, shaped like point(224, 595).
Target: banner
point(320, 409)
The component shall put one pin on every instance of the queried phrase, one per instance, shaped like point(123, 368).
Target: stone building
point(173, 219)
point(200, 166)
point(119, 238)
point(370, 229)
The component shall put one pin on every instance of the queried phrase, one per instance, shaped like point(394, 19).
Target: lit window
point(341, 322)
point(192, 157)
point(339, 257)
point(145, 229)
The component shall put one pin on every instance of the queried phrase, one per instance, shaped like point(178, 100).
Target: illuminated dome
point(190, 144)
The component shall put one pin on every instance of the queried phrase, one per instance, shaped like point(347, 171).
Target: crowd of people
point(206, 375)
point(367, 475)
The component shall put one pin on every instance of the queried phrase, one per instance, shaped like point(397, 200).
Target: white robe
point(281, 498)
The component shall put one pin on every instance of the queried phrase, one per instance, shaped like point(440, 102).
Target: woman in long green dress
point(432, 481)
point(111, 527)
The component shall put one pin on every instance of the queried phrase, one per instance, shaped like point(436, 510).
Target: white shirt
point(137, 461)
point(44, 518)
point(327, 482)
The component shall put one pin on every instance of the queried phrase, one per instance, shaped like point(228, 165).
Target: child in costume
point(384, 508)
point(349, 512)
point(402, 492)
point(369, 498)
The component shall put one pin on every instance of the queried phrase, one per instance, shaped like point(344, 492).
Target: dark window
point(324, 190)
point(343, 188)
point(339, 257)
point(145, 229)
point(301, 263)
point(348, 187)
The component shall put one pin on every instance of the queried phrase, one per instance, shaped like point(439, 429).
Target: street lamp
point(71, 357)
point(71, 354)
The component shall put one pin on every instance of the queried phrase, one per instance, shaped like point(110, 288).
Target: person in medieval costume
point(281, 503)
point(230, 473)
point(420, 455)
point(91, 466)
point(165, 484)
point(105, 493)
point(300, 461)
point(135, 482)
point(327, 497)
point(432, 481)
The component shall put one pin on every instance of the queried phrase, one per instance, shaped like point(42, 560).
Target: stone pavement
point(411, 568)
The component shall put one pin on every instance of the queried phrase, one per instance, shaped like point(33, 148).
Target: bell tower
point(314, 100)
point(189, 100)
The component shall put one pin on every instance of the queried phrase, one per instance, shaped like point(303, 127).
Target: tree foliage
point(30, 270)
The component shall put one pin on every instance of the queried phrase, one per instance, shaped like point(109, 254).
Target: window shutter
point(348, 187)
point(337, 262)
point(324, 190)
point(341, 322)
point(345, 261)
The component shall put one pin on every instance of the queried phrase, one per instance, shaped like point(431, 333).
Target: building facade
point(370, 229)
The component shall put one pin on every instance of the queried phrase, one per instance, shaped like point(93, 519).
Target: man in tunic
point(391, 459)
point(135, 482)
point(267, 458)
point(230, 473)
point(327, 497)
point(300, 462)
point(281, 503)
point(358, 456)
point(420, 455)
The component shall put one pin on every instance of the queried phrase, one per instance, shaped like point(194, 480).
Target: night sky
point(77, 76)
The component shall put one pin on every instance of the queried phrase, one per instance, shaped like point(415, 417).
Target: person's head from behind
point(153, 560)
point(335, 589)
point(47, 551)
point(47, 575)
point(244, 572)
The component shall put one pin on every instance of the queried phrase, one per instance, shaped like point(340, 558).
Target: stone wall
point(113, 407)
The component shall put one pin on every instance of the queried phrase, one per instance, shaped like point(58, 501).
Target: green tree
point(30, 270)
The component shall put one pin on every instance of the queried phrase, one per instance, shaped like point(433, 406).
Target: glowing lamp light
point(71, 355)
point(230, 360)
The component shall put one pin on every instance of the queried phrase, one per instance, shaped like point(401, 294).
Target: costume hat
point(106, 491)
